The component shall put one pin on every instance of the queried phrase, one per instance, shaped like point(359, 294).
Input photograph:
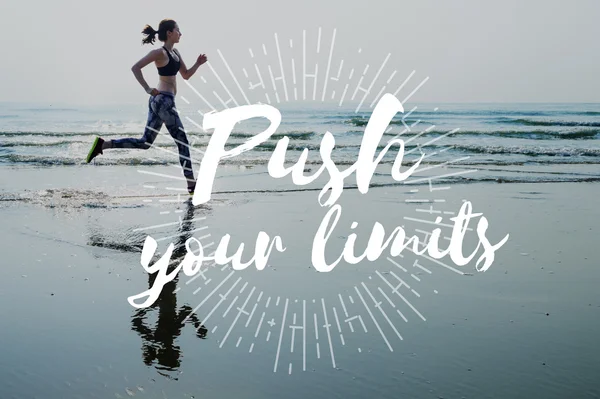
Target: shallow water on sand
point(71, 253)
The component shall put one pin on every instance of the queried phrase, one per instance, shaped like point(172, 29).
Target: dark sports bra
point(171, 68)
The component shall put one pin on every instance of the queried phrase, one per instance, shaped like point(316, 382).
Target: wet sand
point(71, 253)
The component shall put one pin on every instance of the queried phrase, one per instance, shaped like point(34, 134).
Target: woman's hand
point(153, 91)
point(201, 59)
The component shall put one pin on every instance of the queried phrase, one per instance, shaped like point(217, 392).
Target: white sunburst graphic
point(305, 329)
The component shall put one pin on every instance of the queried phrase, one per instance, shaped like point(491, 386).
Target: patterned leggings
point(161, 109)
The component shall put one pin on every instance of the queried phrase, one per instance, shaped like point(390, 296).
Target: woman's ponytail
point(150, 35)
point(166, 25)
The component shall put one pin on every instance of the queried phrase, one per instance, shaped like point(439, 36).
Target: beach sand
point(71, 242)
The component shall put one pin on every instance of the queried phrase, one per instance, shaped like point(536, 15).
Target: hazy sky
point(81, 52)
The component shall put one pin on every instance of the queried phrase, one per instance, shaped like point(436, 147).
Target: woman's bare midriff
point(167, 83)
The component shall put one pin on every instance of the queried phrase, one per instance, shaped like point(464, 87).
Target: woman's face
point(175, 34)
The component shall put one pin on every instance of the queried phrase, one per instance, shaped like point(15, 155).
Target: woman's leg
point(153, 125)
point(168, 113)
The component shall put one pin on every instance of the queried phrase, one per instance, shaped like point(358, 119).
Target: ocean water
point(72, 237)
point(510, 142)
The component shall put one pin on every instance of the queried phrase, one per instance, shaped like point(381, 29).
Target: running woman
point(161, 105)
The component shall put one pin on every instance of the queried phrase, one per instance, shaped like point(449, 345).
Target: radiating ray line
point(404, 83)
point(386, 297)
point(304, 64)
point(303, 335)
point(272, 79)
point(281, 67)
point(433, 223)
point(179, 235)
point(327, 327)
point(439, 165)
point(240, 311)
point(344, 94)
point(439, 152)
point(315, 82)
point(407, 115)
point(259, 325)
point(319, 41)
point(358, 84)
point(397, 265)
point(416, 136)
point(337, 321)
point(209, 295)
point(233, 76)
point(402, 282)
point(281, 334)
point(391, 77)
point(415, 90)
point(193, 122)
point(262, 83)
point(438, 262)
point(147, 172)
point(396, 288)
point(337, 77)
point(220, 99)
point(294, 73)
point(201, 272)
point(223, 299)
point(199, 95)
point(373, 81)
point(231, 305)
point(293, 328)
point(175, 140)
point(464, 172)
point(401, 297)
point(377, 97)
point(374, 320)
point(435, 139)
point(251, 314)
point(168, 224)
point(378, 306)
point(402, 315)
point(328, 65)
point(222, 84)
point(343, 305)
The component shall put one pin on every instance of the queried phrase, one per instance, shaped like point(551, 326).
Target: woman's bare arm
point(152, 56)
point(188, 73)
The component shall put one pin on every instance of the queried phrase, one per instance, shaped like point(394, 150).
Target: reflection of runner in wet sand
point(159, 342)
point(161, 105)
